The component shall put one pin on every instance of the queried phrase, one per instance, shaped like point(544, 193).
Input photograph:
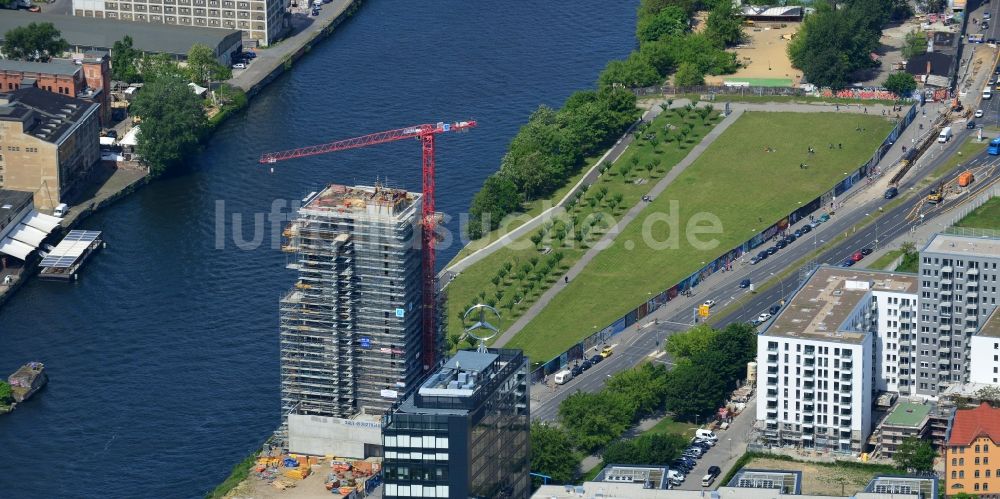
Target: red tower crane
point(425, 133)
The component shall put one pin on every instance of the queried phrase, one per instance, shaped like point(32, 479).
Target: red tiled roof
point(969, 424)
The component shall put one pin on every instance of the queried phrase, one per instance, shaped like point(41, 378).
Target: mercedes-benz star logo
point(481, 330)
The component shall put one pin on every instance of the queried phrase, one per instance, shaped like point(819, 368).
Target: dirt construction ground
point(764, 56)
point(820, 478)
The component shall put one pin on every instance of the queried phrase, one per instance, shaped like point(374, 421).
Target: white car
point(708, 303)
point(986, 16)
point(239, 65)
point(979, 113)
point(763, 317)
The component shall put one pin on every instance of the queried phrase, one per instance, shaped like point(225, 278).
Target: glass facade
point(474, 444)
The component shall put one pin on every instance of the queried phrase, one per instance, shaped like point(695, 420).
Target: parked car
point(774, 309)
point(866, 251)
point(780, 245)
point(606, 352)
point(577, 370)
point(239, 65)
point(763, 317)
point(315, 12)
point(708, 303)
point(586, 365)
point(763, 254)
point(798, 233)
point(891, 193)
point(250, 54)
point(857, 256)
point(745, 283)
point(755, 260)
point(847, 263)
point(596, 359)
point(34, 8)
point(979, 112)
point(772, 250)
point(674, 474)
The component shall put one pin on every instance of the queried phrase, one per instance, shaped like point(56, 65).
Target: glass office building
point(464, 433)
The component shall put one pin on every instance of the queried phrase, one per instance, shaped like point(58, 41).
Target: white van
point(563, 376)
point(706, 434)
point(61, 210)
point(987, 93)
point(707, 480)
point(945, 135)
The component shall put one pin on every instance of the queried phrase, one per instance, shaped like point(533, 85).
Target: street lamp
point(782, 281)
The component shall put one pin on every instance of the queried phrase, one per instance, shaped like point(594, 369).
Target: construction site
point(350, 326)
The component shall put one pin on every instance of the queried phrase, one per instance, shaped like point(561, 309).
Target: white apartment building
point(984, 361)
point(817, 364)
point(895, 297)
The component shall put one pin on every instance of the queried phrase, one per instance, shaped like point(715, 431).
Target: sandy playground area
point(764, 58)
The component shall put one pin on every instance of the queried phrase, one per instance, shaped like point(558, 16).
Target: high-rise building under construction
point(351, 325)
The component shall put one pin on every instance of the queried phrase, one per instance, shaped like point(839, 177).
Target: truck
point(945, 135)
point(994, 147)
point(966, 178)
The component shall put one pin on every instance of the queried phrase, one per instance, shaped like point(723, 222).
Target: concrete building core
point(350, 328)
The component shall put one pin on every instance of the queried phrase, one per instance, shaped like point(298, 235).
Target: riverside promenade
point(274, 60)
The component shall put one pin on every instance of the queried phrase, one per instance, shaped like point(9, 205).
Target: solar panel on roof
point(68, 250)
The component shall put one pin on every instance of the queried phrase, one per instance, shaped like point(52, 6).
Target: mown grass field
point(656, 146)
point(735, 180)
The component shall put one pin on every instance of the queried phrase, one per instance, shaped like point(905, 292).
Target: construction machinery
point(425, 134)
point(937, 194)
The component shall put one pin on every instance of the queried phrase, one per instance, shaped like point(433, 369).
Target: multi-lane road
point(894, 220)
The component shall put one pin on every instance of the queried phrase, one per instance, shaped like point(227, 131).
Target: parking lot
point(730, 447)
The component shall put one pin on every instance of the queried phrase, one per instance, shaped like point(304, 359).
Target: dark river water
point(163, 358)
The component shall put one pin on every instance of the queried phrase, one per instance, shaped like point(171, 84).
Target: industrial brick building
point(48, 144)
point(87, 78)
point(351, 325)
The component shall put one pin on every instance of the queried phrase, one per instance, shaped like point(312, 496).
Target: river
point(163, 358)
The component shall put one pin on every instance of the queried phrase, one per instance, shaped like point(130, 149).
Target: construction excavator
point(936, 195)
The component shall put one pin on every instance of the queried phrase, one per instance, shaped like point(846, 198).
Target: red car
point(857, 256)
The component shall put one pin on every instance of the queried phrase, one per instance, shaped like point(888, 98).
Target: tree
point(900, 83)
point(203, 68)
point(915, 454)
point(633, 72)
point(125, 61)
point(734, 346)
point(694, 390)
point(914, 44)
point(498, 197)
point(833, 44)
point(173, 123)
point(6, 393)
point(649, 448)
point(694, 341)
point(645, 384)
point(671, 21)
point(725, 24)
point(594, 419)
point(552, 453)
point(155, 67)
point(688, 75)
point(34, 42)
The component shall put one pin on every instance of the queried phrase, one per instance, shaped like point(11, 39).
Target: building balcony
point(808, 408)
point(772, 349)
point(772, 370)
point(772, 395)
point(972, 284)
point(845, 423)
point(947, 269)
point(772, 359)
point(808, 385)
point(772, 381)
point(972, 271)
point(809, 362)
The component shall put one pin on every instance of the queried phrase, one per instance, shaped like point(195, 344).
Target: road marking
point(656, 354)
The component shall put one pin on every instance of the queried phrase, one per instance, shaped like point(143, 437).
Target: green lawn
point(986, 216)
point(763, 99)
point(668, 425)
point(735, 180)
point(475, 284)
point(883, 261)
